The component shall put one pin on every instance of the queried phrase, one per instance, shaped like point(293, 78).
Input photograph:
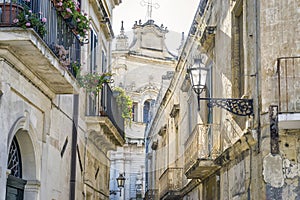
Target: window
point(134, 111)
point(93, 68)
point(147, 114)
point(93, 51)
point(14, 159)
point(191, 112)
point(15, 184)
point(237, 51)
point(238, 67)
point(104, 62)
point(146, 111)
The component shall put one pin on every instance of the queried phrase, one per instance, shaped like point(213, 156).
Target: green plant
point(70, 11)
point(28, 19)
point(125, 102)
point(93, 82)
point(75, 66)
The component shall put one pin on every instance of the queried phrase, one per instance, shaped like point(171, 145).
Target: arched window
point(14, 160)
point(147, 110)
point(15, 184)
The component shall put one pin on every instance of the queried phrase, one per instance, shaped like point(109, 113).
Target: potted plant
point(28, 19)
point(8, 12)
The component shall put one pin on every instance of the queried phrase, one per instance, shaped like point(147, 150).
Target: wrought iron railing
point(202, 144)
point(105, 104)
point(202, 6)
point(151, 194)
point(288, 84)
point(170, 181)
point(59, 36)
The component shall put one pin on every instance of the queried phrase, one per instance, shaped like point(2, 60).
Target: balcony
point(104, 120)
point(170, 183)
point(44, 60)
point(201, 150)
point(287, 91)
point(151, 194)
point(103, 12)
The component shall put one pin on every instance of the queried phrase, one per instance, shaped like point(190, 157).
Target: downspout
point(84, 164)
point(257, 100)
point(73, 147)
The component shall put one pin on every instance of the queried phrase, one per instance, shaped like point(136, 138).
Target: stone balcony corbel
point(208, 36)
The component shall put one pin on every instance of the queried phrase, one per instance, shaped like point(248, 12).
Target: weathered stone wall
point(40, 136)
point(279, 28)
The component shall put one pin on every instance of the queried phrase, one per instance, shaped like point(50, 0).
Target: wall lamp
point(120, 181)
point(198, 74)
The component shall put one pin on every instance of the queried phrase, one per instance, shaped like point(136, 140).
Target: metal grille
point(202, 6)
point(288, 84)
point(14, 159)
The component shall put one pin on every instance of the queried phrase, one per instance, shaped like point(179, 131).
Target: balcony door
point(15, 184)
point(92, 97)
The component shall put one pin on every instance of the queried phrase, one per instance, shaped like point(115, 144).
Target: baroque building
point(55, 136)
point(139, 68)
point(238, 138)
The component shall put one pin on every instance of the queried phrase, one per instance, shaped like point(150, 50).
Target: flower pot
point(71, 23)
point(67, 16)
point(56, 5)
point(9, 12)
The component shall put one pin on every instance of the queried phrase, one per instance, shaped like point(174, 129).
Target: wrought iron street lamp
point(198, 73)
point(120, 181)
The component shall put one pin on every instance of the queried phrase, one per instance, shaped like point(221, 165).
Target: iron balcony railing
point(202, 7)
point(151, 194)
point(105, 104)
point(170, 181)
point(59, 36)
point(288, 84)
point(203, 144)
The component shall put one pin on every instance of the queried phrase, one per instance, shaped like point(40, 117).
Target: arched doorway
point(15, 184)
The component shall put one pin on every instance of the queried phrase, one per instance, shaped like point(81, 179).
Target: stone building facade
point(243, 142)
point(54, 142)
point(139, 68)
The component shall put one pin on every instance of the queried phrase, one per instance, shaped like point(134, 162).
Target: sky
point(176, 15)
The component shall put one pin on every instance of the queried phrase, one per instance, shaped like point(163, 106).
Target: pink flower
point(68, 10)
point(28, 24)
point(78, 20)
point(59, 4)
point(30, 11)
point(27, 1)
point(44, 19)
point(15, 20)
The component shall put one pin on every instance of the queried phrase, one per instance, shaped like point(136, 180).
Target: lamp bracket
point(114, 192)
point(241, 107)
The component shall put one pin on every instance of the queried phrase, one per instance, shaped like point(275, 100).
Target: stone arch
point(26, 138)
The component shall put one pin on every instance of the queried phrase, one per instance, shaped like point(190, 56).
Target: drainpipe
point(258, 75)
point(73, 147)
point(84, 165)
